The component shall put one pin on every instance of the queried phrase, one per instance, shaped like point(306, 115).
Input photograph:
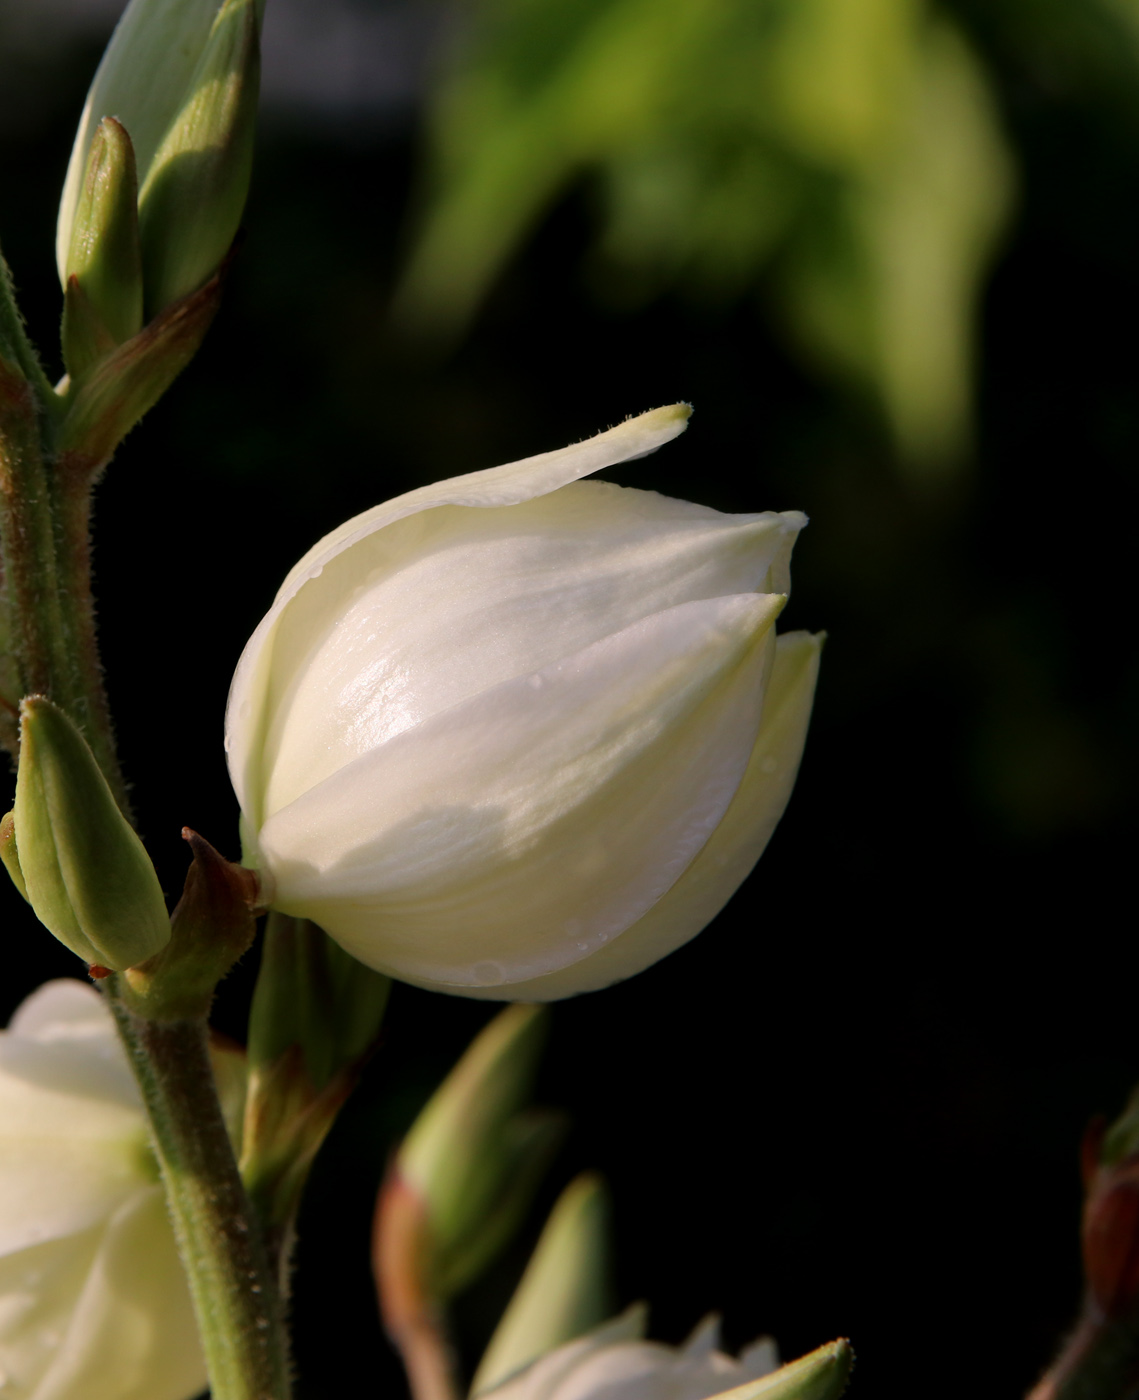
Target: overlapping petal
point(732, 849)
point(561, 805)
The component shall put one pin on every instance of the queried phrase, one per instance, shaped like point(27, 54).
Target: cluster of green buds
point(152, 201)
point(459, 1187)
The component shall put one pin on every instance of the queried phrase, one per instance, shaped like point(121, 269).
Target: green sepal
point(820, 1375)
point(127, 383)
point(313, 994)
point(105, 256)
point(315, 1019)
point(9, 853)
point(473, 1156)
point(84, 337)
point(193, 192)
point(87, 874)
point(213, 924)
point(565, 1291)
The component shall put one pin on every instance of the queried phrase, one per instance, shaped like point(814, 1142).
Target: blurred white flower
point(615, 1362)
point(93, 1301)
point(517, 735)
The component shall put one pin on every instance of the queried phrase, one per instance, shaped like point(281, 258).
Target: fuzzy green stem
point(231, 1282)
point(44, 541)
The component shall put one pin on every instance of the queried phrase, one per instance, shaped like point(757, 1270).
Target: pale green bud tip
point(9, 854)
point(104, 255)
point(488, 1085)
point(193, 192)
point(820, 1375)
point(87, 874)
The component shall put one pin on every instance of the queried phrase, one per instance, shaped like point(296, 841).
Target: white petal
point(72, 1014)
point(704, 1338)
point(246, 717)
point(588, 786)
point(628, 1371)
point(723, 864)
point(131, 1333)
point(39, 1287)
point(541, 1380)
point(759, 1358)
point(72, 1137)
point(444, 604)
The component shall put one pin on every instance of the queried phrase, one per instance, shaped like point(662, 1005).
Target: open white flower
point(518, 735)
point(93, 1301)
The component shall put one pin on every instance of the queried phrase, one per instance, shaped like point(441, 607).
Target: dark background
point(853, 1105)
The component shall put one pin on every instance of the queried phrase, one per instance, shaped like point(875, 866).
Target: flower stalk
point(235, 1296)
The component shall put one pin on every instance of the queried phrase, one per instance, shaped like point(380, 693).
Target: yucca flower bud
point(181, 78)
point(613, 1362)
point(103, 271)
point(467, 1171)
point(85, 872)
point(94, 1303)
point(518, 735)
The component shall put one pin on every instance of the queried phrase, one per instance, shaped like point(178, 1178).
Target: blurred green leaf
point(849, 152)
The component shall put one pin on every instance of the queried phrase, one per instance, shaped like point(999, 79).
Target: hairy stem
point(231, 1282)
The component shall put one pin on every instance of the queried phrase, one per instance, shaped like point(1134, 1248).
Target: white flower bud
point(93, 1300)
point(507, 736)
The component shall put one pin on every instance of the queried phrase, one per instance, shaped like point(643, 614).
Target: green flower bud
point(87, 874)
point(181, 76)
point(103, 272)
point(315, 1018)
point(194, 192)
point(473, 1158)
point(565, 1290)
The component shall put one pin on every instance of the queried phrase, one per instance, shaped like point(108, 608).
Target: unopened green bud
point(473, 1157)
point(313, 995)
point(820, 1375)
point(87, 874)
point(565, 1291)
point(103, 272)
point(193, 194)
point(9, 854)
point(181, 76)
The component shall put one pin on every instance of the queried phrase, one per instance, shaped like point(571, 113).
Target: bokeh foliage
point(844, 156)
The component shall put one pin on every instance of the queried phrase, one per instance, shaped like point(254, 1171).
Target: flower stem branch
point(44, 541)
point(231, 1282)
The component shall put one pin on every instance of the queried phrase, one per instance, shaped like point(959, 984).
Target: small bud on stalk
point(475, 1155)
point(181, 78)
point(152, 201)
point(87, 874)
point(315, 1018)
point(103, 272)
